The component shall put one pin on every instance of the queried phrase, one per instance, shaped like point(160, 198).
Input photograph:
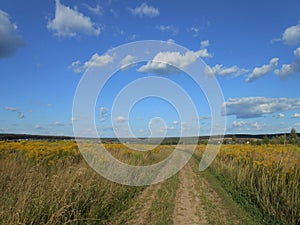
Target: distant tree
point(258, 142)
point(275, 140)
point(266, 140)
point(293, 136)
point(233, 138)
point(283, 139)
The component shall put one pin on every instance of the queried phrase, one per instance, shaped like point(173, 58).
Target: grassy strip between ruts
point(162, 207)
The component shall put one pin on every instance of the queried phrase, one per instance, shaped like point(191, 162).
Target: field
point(45, 182)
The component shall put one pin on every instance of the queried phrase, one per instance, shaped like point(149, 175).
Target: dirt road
point(195, 202)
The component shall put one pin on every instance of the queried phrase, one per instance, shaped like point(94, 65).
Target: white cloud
point(175, 122)
point(39, 127)
point(58, 123)
point(96, 61)
point(291, 35)
point(76, 66)
point(73, 119)
point(11, 108)
point(194, 30)
point(251, 107)
point(171, 41)
point(165, 63)
point(168, 63)
point(158, 127)
point(285, 71)
point(120, 119)
point(204, 44)
point(127, 62)
point(263, 70)
point(10, 41)
point(220, 70)
point(168, 28)
point(103, 111)
point(20, 114)
point(296, 115)
point(170, 128)
point(132, 37)
point(203, 53)
point(103, 114)
point(289, 69)
point(279, 116)
point(190, 129)
point(297, 53)
point(145, 10)
point(238, 123)
point(97, 10)
point(256, 125)
point(69, 22)
point(243, 125)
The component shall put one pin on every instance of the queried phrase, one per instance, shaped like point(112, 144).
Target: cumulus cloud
point(38, 127)
point(296, 115)
point(175, 122)
point(120, 119)
point(69, 22)
point(127, 62)
point(238, 123)
point(204, 44)
point(144, 10)
point(251, 107)
point(58, 123)
point(220, 70)
point(10, 40)
point(103, 114)
point(168, 28)
point(194, 30)
point(73, 119)
point(243, 125)
point(289, 69)
point(165, 63)
point(97, 10)
point(103, 111)
point(297, 53)
point(279, 116)
point(11, 109)
point(263, 70)
point(291, 35)
point(96, 61)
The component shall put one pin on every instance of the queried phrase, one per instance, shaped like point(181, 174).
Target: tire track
point(188, 207)
point(137, 214)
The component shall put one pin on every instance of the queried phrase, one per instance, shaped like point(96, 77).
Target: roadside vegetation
point(265, 179)
point(44, 182)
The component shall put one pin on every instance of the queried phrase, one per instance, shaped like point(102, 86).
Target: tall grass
point(266, 177)
point(61, 191)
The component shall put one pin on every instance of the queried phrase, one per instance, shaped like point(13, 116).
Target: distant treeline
point(32, 137)
point(228, 138)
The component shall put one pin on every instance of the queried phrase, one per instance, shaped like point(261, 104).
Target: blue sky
point(252, 48)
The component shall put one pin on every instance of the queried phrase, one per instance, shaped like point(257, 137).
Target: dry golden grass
point(267, 177)
point(53, 186)
point(49, 182)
